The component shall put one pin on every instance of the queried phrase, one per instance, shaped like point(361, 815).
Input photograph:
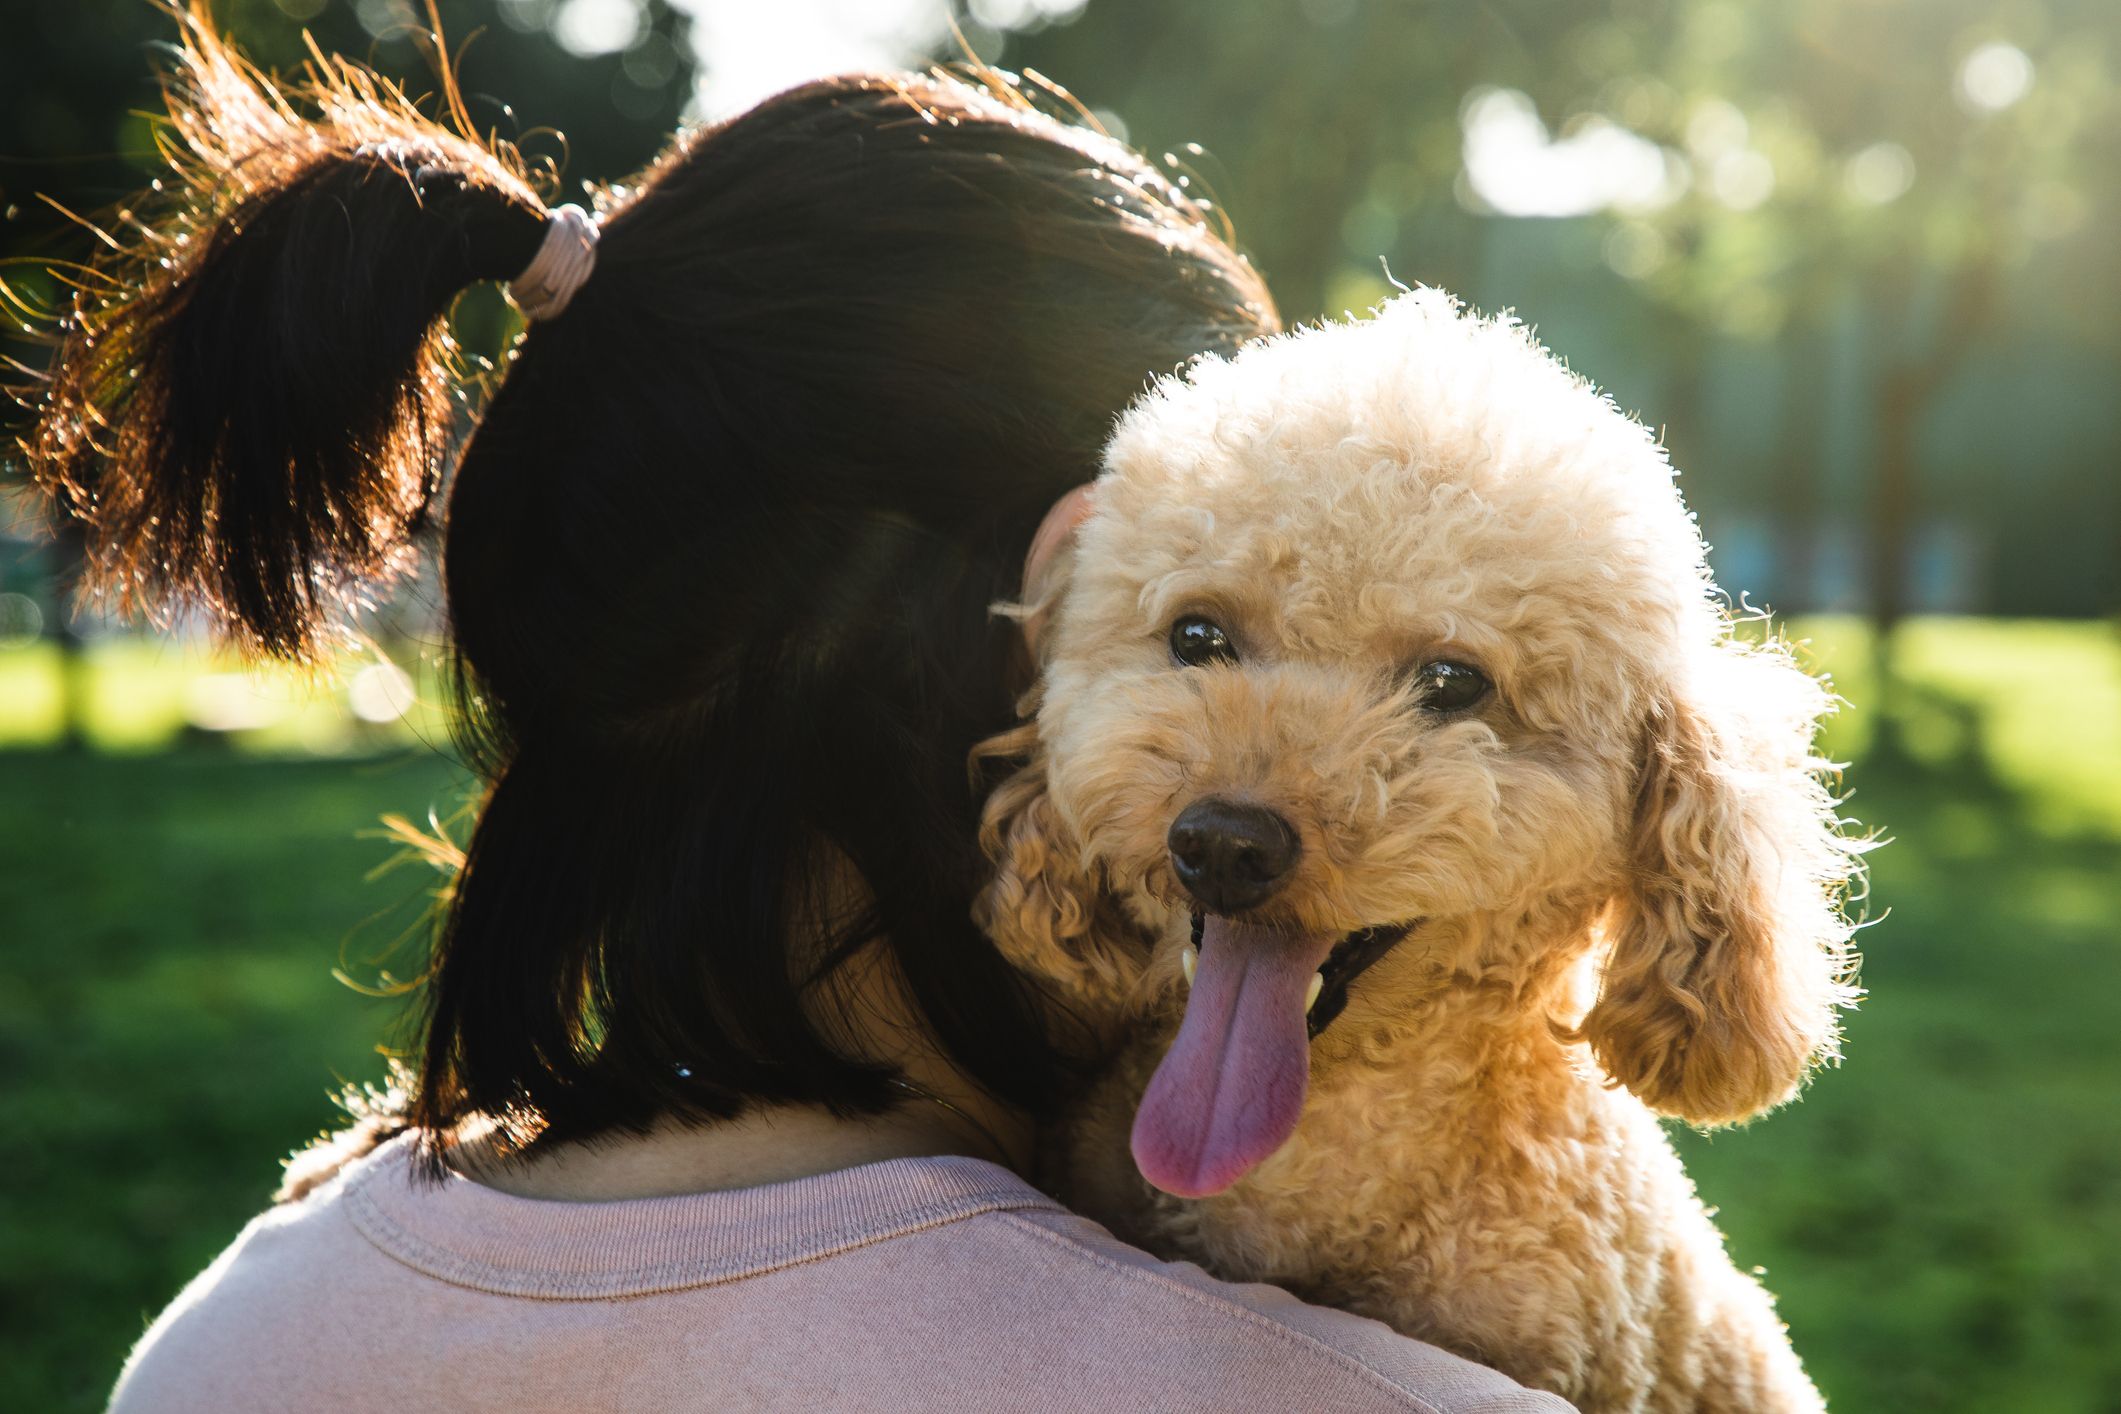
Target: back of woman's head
point(719, 552)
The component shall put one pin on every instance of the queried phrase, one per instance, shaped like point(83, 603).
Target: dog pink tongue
point(1231, 1088)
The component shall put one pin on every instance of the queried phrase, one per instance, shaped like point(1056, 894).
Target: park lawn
point(1941, 1214)
point(169, 1022)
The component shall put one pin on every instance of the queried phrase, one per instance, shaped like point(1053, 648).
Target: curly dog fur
point(1627, 869)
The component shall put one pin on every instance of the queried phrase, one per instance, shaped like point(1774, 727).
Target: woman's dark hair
point(719, 553)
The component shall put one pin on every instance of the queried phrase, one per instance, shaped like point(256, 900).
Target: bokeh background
point(1858, 259)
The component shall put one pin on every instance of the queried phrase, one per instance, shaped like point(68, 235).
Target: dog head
point(1397, 630)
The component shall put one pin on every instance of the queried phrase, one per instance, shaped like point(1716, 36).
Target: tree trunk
point(1800, 458)
point(1899, 413)
point(1680, 420)
point(1905, 391)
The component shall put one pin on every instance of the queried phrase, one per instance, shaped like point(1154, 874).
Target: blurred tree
point(1882, 195)
point(1908, 164)
point(1330, 128)
point(1903, 178)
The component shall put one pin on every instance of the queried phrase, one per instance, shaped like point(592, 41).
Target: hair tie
point(563, 262)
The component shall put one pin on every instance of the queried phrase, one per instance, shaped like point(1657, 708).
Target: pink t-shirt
point(916, 1284)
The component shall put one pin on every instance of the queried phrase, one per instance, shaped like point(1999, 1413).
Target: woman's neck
point(769, 1145)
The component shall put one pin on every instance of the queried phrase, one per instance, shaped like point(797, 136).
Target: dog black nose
point(1231, 856)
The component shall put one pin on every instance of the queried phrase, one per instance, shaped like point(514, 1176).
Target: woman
point(721, 1093)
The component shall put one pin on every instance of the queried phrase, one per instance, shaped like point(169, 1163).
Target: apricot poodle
point(1399, 808)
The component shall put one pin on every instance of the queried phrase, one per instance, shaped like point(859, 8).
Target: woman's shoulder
point(272, 1288)
point(941, 1283)
point(1253, 1345)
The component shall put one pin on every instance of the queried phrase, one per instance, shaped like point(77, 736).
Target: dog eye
point(1196, 642)
point(1449, 687)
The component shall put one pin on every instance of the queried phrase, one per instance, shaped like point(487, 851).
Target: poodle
point(1400, 812)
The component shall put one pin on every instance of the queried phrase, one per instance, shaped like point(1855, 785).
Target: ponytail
point(251, 405)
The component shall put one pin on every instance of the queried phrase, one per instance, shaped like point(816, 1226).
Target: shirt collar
point(469, 1235)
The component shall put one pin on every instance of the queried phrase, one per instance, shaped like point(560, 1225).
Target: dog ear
point(1048, 561)
point(1729, 952)
point(1046, 913)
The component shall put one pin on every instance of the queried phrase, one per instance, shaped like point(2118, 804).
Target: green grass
point(169, 1023)
point(1941, 1215)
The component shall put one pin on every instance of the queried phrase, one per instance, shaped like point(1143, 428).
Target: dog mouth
point(1353, 955)
point(1230, 1089)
